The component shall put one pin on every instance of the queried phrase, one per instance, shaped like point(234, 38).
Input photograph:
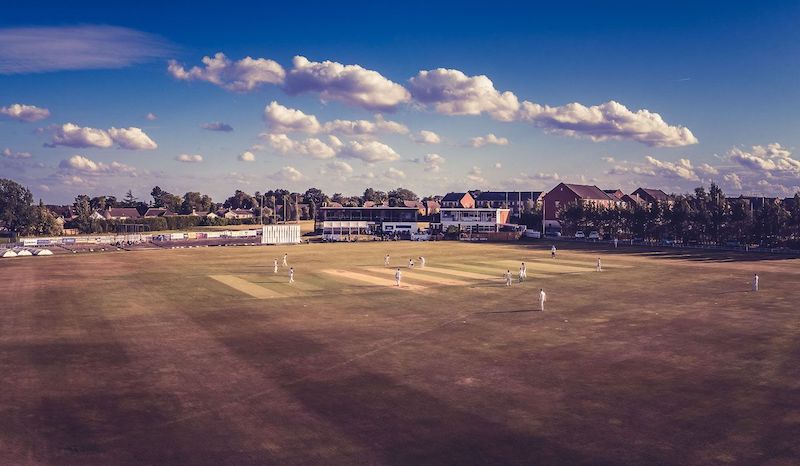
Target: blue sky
point(669, 95)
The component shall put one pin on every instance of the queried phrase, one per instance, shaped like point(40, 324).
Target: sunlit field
point(205, 356)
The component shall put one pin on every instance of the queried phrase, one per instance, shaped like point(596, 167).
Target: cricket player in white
point(553, 251)
point(508, 276)
point(542, 299)
point(616, 241)
point(291, 274)
point(275, 266)
point(386, 261)
point(523, 272)
point(599, 265)
point(421, 262)
point(411, 263)
point(397, 276)
point(285, 256)
point(755, 282)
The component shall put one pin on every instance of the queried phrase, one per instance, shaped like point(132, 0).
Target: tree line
point(701, 217)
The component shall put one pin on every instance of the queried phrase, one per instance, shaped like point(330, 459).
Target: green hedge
point(177, 222)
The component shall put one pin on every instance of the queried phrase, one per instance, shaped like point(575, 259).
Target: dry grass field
point(204, 356)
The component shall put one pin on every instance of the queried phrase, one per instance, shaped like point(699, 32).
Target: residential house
point(651, 195)
point(565, 194)
point(456, 200)
point(121, 213)
point(514, 200)
point(153, 212)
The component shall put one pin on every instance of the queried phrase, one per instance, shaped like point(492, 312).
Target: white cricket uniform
point(542, 299)
point(553, 251)
point(599, 265)
point(755, 282)
point(521, 274)
point(386, 260)
point(615, 242)
point(285, 256)
point(291, 276)
point(508, 278)
point(422, 262)
point(410, 264)
point(397, 277)
point(275, 266)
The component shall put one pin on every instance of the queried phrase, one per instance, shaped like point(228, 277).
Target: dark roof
point(60, 210)
point(508, 195)
point(452, 197)
point(377, 207)
point(129, 212)
point(656, 194)
point(585, 191)
point(615, 193)
point(155, 212)
point(633, 199)
point(242, 211)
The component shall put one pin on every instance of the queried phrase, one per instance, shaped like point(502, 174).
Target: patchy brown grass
point(139, 357)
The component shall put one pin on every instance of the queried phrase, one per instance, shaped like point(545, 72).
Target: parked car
point(553, 234)
point(594, 235)
point(580, 234)
point(533, 234)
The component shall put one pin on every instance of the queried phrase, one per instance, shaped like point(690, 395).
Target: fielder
point(523, 272)
point(755, 282)
point(599, 265)
point(386, 261)
point(285, 257)
point(275, 266)
point(291, 274)
point(616, 241)
point(421, 262)
point(553, 251)
point(411, 263)
point(397, 276)
point(507, 276)
point(542, 299)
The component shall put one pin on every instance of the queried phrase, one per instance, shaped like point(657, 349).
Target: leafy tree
point(157, 194)
point(15, 205)
point(314, 197)
point(378, 197)
point(43, 222)
point(83, 213)
point(194, 201)
point(397, 196)
point(240, 200)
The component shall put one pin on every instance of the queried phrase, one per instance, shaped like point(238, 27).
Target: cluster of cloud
point(26, 113)
point(151, 116)
point(78, 164)
point(189, 158)
point(247, 156)
point(242, 75)
point(44, 49)
point(427, 137)
point(281, 120)
point(217, 126)
point(447, 91)
point(72, 135)
point(490, 138)
point(475, 175)
point(761, 170)
point(432, 162)
point(9, 154)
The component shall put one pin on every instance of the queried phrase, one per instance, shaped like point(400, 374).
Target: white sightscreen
point(280, 234)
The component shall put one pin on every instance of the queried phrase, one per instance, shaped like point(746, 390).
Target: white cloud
point(282, 119)
point(311, 147)
point(151, 117)
point(9, 154)
point(733, 181)
point(490, 138)
point(338, 167)
point(78, 164)
point(452, 92)
point(610, 120)
point(189, 158)
point(350, 84)
point(389, 126)
point(43, 49)
point(427, 137)
point(287, 174)
point(22, 112)
point(132, 138)
point(475, 175)
point(369, 151)
point(244, 75)
point(432, 162)
point(247, 156)
point(706, 169)
point(498, 165)
point(72, 135)
point(394, 174)
point(682, 169)
point(364, 127)
point(773, 159)
point(217, 126)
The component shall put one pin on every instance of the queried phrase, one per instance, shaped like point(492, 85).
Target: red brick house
point(565, 194)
